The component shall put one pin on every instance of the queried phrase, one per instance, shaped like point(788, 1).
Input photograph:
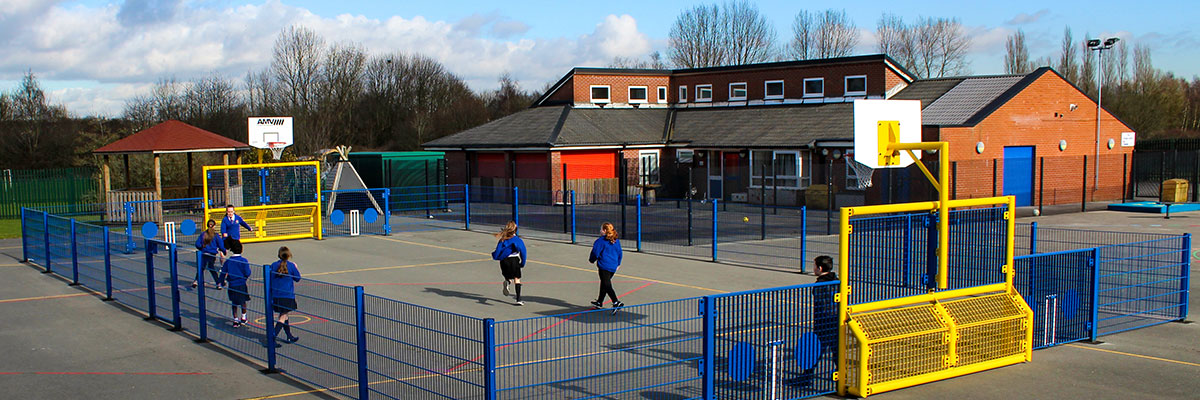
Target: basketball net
point(862, 172)
point(276, 149)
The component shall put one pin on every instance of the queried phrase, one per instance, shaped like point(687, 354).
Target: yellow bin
point(1174, 191)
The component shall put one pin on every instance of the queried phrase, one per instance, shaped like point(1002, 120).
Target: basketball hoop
point(862, 173)
point(276, 149)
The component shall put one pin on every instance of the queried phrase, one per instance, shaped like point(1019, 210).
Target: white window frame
point(704, 99)
point(657, 173)
point(782, 93)
point(662, 94)
point(745, 90)
point(805, 87)
point(591, 92)
point(846, 85)
point(802, 180)
point(629, 94)
point(683, 94)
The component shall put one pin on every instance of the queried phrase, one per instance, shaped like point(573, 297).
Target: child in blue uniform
point(211, 246)
point(284, 276)
point(606, 254)
point(229, 224)
point(234, 273)
point(510, 251)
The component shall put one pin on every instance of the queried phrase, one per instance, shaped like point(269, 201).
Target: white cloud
point(1023, 18)
point(179, 39)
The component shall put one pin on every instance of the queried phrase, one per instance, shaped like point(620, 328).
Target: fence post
point(803, 236)
point(360, 322)
point(489, 358)
point(151, 248)
point(516, 207)
point(762, 221)
point(573, 230)
point(1033, 238)
point(1125, 176)
point(689, 203)
point(1095, 323)
point(467, 207)
point(387, 210)
point(639, 223)
point(174, 261)
point(707, 310)
point(1187, 271)
point(268, 320)
point(74, 255)
point(906, 271)
point(201, 300)
point(24, 237)
point(1083, 197)
point(107, 267)
point(128, 227)
point(46, 240)
point(714, 229)
point(1041, 182)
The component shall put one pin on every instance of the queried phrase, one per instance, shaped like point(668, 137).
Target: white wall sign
point(1127, 139)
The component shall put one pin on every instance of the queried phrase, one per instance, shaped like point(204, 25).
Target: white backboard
point(868, 114)
point(264, 130)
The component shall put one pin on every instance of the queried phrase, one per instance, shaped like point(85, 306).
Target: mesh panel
point(281, 200)
point(276, 223)
point(327, 355)
point(418, 352)
point(89, 241)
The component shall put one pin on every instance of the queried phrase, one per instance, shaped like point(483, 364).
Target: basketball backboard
point(267, 130)
point(877, 121)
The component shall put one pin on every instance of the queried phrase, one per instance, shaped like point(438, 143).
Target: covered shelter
point(170, 137)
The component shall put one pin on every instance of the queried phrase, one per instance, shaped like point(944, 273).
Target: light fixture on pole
point(1099, 47)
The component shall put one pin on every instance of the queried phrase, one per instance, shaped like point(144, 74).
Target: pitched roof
point(563, 126)
point(965, 101)
point(927, 90)
point(767, 126)
point(172, 136)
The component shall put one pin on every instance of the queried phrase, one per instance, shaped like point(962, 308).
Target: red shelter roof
point(172, 137)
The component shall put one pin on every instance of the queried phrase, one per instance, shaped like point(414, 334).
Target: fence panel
point(892, 257)
point(675, 226)
point(776, 343)
point(761, 235)
point(66, 187)
point(543, 215)
point(89, 241)
point(129, 271)
point(1050, 239)
point(491, 207)
point(412, 211)
point(1058, 287)
point(345, 208)
point(643, 351)
point(59, 235)
point(416, 352)
point(327, 354)
point(180, 219)
point(249, 339)
point(159, 253)
point(978, 247)
point(33, 227)
point(1142, 284)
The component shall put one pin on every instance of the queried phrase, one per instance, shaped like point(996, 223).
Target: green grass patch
point(10, 228)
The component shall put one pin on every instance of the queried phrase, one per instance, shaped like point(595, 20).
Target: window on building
point(683, 94)
point(773, 90)
point(737, 91)
point(787, 171)
point(703, 92)
point(662, 94)
point(856, 85)
point(637, 94)
point(600, 94)
point(814, 87)
point(648, 167)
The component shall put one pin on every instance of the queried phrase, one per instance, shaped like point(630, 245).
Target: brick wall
point(793, 78)
point(1040, 116)
point(456, 167)
point(565, 93)
point(618, 87)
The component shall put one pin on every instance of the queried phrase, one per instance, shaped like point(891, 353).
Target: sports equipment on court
point(281, 200)
point(349, 192)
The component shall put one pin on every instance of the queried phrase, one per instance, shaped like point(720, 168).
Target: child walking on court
point(510, 251)
point(825, 323)
point(234, 273)
point(229, 224)
point(284, 276)
point(211, 247)
point(606, 254)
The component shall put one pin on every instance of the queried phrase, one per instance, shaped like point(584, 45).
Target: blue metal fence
point(1057, 286)
point(356, 212)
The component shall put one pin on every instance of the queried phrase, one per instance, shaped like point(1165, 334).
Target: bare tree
point(652, 61)
point(340, 86)
point(822, 35)
point(213, 103)
point(1016, 55)
point(6, 107)
point(31, 117)
point(1068, 58)
point(1087, 69)
point(729, 34)
point(933, 47)
point(296, 65)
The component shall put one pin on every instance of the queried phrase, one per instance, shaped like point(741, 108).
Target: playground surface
point(63, 342)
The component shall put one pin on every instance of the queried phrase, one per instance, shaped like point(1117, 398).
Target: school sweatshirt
point(606, 255)
point(235, 271)
point(507, 247)
point(230, 226)
point(215, 246)
point(283, 286)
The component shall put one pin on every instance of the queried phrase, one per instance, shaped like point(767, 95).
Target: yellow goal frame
point(262, 214)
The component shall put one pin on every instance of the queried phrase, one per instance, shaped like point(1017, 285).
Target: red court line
point(544, 329)
point(479, 283)
point(106, 373)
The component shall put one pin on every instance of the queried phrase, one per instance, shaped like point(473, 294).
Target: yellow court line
point(411, 378)
point(398, 267)
point(1136, 355)
point(14, 265)
point(59, 296)
point(10, 248)
point(556, 265)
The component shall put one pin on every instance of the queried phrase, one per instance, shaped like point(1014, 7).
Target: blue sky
point(93, 55)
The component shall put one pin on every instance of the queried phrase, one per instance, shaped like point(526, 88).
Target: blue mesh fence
point(246, 339)
point(601, 208)
point(89, 247)
point(355, 212)
point(33, 230)
point(762, 235)
point(174, 220)
point(163, 288)
point(978, 247)
point(775, 343)
point(325, 321)
point(1141, 284)
point(678, 227)
point(1058, 288)
point(128, 272)
point(411, 211)
point(272, 185)
point(1053, 239)
point(542, 215)
point(418, 352)
point(59, 255)
point(490, 207)
point(644, 351)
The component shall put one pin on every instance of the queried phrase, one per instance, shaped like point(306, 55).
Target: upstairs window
point(637, 94)
point(703, 92)
point(662, 94)
point(773, 90)
point(737, 91)
point(856, 85)
point(683, 94)
point(600, 94)
point(814, 87)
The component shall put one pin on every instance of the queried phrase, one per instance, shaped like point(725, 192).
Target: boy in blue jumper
point(510, 251)
point(606, 254)
point(284, 275)
point(210, 246)
point(229, 224)
point(235, 272)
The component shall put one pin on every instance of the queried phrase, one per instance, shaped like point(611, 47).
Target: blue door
point(1018, 174)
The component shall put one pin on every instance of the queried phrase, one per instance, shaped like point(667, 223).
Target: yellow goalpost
point(281, 200)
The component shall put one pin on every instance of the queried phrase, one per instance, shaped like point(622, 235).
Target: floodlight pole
point(1099, 48)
